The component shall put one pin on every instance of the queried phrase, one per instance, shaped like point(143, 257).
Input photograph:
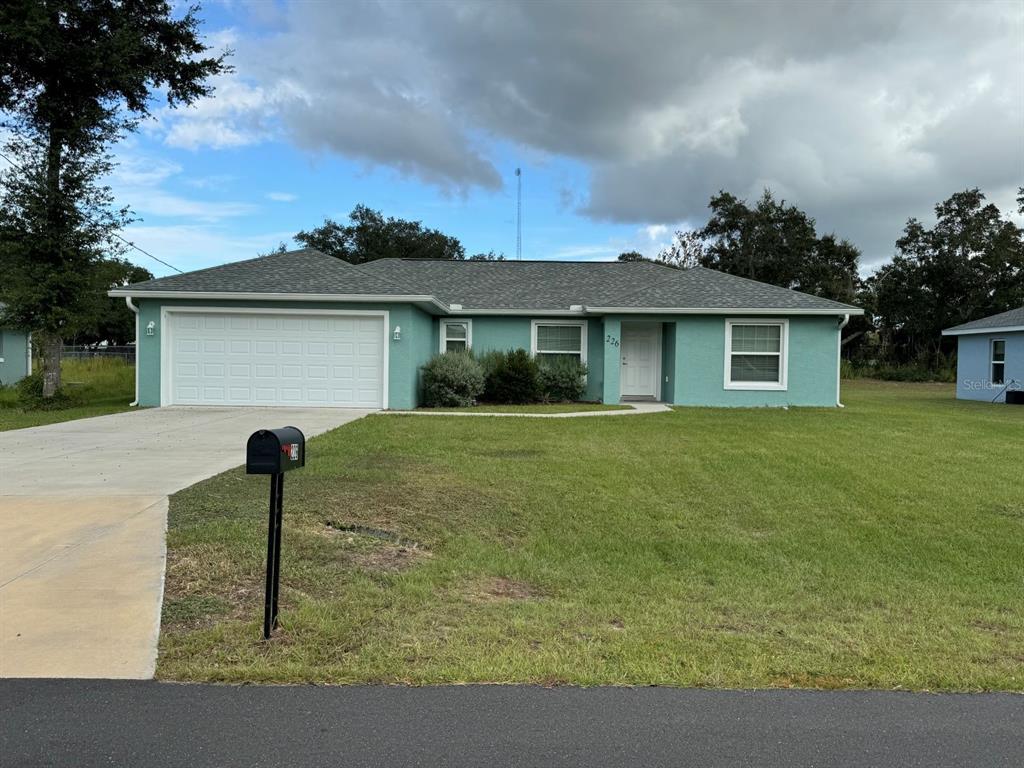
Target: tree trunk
point(51, 344)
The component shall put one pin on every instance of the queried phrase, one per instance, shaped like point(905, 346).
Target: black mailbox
point(273, 451)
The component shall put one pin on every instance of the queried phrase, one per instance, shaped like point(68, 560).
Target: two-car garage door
point(300, 359)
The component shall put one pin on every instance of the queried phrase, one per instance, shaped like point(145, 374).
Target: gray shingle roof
point(501, 285)
point(1012, 318)
point(305, 271)
point(611, 284)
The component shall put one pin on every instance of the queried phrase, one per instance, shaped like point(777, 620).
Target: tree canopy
point(369, 236)
point(75, 76)
point(107, 319)
point(771, 242)
point(969, 265)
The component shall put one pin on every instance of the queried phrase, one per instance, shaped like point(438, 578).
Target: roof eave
point(434, 303)
point(363, 298)
point(724, 311)
point(994, 329)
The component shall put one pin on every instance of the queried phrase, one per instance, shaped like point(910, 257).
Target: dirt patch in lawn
point(375, 549)
point(390, 559)
point(499, 588)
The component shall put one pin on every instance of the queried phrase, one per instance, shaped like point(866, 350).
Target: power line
point(123, 240)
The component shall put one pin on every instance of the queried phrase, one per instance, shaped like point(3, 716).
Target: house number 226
point(611, 340)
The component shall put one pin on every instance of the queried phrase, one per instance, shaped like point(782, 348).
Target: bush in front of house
point(513, 378)
point(562, 379)
point(452, 380)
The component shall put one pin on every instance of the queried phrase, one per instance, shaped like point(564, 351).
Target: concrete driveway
point(83, 512)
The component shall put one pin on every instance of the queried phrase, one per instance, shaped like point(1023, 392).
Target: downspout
point(133, 308)
point(839, 355)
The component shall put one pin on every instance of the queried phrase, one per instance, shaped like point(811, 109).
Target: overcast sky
point(626, 117)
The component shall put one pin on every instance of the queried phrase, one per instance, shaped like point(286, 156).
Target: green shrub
point(562, 379)
point(452, 380)
point(513, 378)
point(490, 361)
point(30, 395)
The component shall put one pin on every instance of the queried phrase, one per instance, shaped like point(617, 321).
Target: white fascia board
point(252, 296)
point(447, 310)
point(775, 311)
point(994, 329)
point(520, 312)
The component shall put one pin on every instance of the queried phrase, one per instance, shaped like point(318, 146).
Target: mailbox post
point(274, 452)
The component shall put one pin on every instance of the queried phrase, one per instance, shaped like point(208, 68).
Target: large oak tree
point(76, 76)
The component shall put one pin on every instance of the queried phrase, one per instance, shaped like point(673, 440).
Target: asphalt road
point(147, 724)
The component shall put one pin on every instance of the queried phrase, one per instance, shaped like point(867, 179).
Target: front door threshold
point(639, 399)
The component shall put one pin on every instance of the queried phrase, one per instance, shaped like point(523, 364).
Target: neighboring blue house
point(303, 328)
point(990, 356)
point(15, 355)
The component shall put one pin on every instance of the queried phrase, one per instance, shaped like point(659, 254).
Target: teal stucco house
point(15, 355)
point(306, 329)
point(990, 356)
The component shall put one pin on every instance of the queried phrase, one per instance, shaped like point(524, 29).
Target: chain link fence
point(86, 352)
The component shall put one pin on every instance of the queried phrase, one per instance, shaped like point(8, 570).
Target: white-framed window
point(553, 339)
point(756, 354)
point(998, 357)
point(456, 335)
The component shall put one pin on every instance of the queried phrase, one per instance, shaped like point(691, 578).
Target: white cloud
point(282, 197)
point(655, 231)
point(140, 179)
point(863, 114)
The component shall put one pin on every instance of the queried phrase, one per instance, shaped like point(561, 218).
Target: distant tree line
point(970, 264)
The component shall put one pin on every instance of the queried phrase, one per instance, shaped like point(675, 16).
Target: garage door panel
point(257, 359)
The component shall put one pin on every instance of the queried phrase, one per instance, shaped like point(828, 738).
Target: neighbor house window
point(456, 335)
point(559, 340)
point(755, 354)
point(998, 361)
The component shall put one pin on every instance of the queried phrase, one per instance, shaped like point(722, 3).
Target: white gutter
point(839, 356)
point(847, 311)
point(256, 296)
point(995, 329)
point(574, 310)
point(133, 308)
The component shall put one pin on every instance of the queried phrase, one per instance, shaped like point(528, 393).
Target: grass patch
point(533, 408)
point(97, 386)
point(877, 546)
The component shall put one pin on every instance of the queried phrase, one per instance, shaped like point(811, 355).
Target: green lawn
point(879, 546)
point(535, 408)
point(98, 387)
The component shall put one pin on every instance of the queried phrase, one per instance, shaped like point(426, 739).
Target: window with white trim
point(756, 354)
point(456, 335)
point(998, 361)
point(559, 340)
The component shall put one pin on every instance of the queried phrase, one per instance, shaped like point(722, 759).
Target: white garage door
point(220, 358)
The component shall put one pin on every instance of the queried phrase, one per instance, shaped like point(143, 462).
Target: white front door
point(640, 360)
point(274, 358)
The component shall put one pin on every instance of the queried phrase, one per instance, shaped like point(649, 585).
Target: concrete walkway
point(633, 410)
point(83, 513)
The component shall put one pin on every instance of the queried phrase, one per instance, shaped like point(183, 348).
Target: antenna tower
point(519, 214)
